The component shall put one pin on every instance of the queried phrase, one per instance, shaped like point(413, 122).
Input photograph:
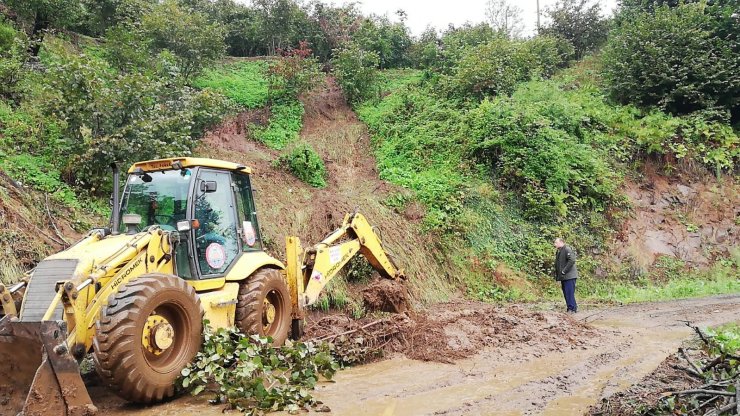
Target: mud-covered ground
point(515, 360)
point(668, 377)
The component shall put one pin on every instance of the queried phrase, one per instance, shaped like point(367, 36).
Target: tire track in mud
point(513, 381)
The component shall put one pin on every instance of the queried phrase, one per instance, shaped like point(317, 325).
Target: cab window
point(216, 238)
point(249, 230)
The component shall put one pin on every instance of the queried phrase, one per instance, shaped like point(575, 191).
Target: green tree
point(278, 21)
point(390, 40)
point(39, 15)
point(190, 36)
point(682, 59)
point(337, 24)
point(355, 70)
point(101, 15)
point(579, 22)
point(424, 52)
point(456, 41)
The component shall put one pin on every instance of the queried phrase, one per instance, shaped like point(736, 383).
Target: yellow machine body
point(105, 260)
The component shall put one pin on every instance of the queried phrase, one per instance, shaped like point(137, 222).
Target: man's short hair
point(559, 240)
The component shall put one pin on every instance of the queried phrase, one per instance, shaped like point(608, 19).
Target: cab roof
point(188, 162)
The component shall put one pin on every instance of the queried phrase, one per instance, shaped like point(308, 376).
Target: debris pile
point(450, 331)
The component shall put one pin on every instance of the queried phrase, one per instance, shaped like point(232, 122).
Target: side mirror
point(187, 225)
point(208, 186)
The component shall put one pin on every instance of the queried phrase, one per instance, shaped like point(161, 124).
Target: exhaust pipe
point(116, 211)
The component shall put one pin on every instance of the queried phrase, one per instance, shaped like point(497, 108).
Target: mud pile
point(452, 331)
point(385, 295)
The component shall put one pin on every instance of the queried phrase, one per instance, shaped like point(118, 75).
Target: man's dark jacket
point(565, 264)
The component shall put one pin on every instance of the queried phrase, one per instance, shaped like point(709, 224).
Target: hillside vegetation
point(474, 146)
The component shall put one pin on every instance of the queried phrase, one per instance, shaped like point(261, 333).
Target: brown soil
point(516, 360)
point(31, 217)
point(525, 361)
point(450, 331)
point(692, 217)
point(386, 295)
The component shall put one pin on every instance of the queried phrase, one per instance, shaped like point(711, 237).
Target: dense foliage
point(580, 22)
point(254, 377)
point(355, 70)
point(681, 59)
point(496, 67)
point(303, 162)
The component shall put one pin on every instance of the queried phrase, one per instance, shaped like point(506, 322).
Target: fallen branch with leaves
point(718, 367)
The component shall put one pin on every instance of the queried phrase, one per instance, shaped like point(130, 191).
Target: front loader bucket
point(38, 375)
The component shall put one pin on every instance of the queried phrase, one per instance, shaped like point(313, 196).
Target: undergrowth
point(286, 120)
point(245, 83)
point(303, 162)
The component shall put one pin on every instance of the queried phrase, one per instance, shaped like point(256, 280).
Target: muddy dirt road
point(506, 380)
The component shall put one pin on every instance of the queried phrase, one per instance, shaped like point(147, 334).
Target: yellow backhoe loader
point(183, 245)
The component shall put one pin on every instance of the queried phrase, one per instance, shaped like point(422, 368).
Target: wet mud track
point(518, 379)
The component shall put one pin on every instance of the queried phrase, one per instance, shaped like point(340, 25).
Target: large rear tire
point(149, 331)
point(263, 306)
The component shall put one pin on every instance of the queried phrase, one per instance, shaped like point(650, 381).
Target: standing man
point(566, 273)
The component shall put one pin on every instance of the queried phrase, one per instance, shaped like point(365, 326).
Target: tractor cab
point(209, 202)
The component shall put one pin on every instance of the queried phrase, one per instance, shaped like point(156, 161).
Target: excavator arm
point(309, 271)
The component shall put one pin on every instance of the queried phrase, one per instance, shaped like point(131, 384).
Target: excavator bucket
point(38, 375)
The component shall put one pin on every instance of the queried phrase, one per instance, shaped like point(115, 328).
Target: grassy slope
point(419, 146)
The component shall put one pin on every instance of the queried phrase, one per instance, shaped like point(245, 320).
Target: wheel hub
point(158, 334)
point(268, 314)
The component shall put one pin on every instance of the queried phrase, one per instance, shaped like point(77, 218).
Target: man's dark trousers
point(569, 291)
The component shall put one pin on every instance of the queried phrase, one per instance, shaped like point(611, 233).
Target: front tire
point(149, 331)
point(263, 306)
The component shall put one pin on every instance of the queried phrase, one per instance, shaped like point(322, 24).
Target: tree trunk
point(40, 24)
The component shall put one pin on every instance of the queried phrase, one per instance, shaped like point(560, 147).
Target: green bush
point(252, 376)
point(13, 45)
point(286, 120)
point(355, 71)
point(534, 148)
point(496, 67)
point(295, 73)
point(303, 162)
point(681, 59)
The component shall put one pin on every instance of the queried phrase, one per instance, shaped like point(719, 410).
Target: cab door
point(216, 240)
